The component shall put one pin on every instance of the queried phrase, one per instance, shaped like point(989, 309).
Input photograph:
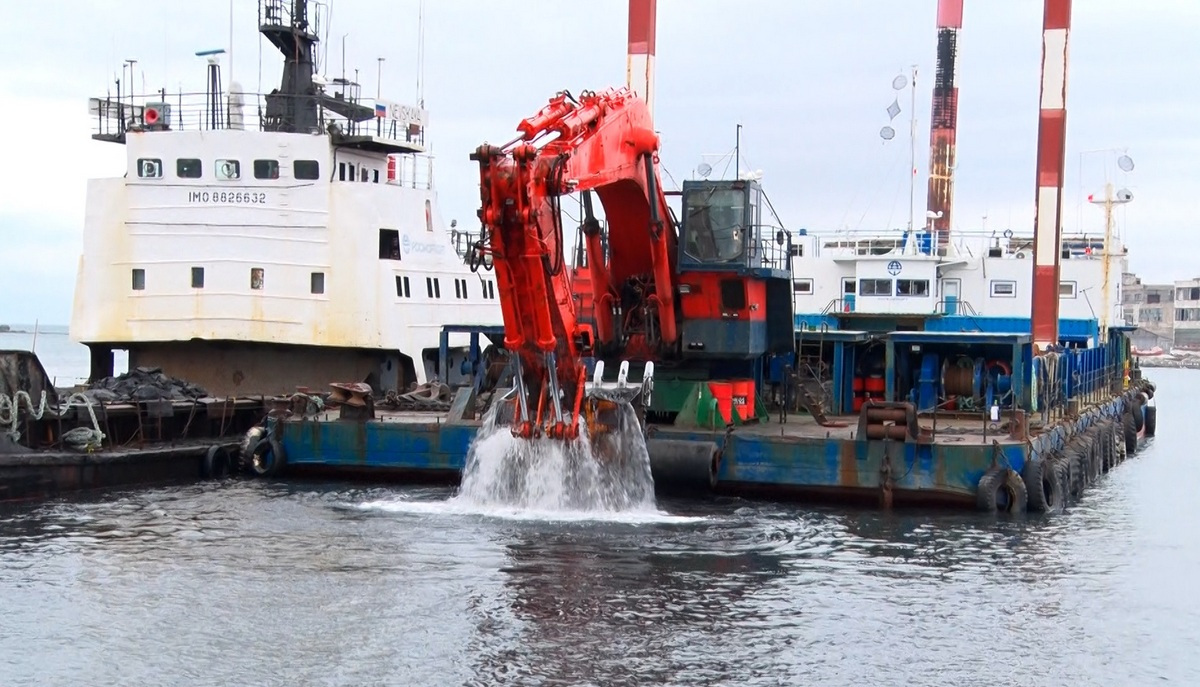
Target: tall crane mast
point(943, 120)
point(1051, 158)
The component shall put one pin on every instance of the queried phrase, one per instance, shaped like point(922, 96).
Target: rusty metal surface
point(248, 369)
point(22, 371)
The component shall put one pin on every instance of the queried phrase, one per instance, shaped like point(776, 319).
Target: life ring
point(268, 458)
point(1000, 364)
point(1008, 233)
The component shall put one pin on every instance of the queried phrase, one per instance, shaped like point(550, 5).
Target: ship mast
point(293, 107)
point(943, 121)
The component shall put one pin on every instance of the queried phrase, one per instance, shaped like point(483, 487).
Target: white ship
point(259, 243)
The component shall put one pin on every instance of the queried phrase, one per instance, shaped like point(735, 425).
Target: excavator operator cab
point(723, 228)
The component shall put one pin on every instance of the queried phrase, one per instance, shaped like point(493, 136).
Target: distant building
point(1187, 313)
point(1152, 308)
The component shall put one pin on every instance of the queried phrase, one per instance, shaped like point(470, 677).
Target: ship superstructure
point(260, 242)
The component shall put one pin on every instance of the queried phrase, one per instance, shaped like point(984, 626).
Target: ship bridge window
point(389, 244)
point(874, 287)
point(266, 169)
point(149, 168)
point(1004, 289)
point(187, 168)
point(912, 287)
point(306, 169)
point(1066, 289)
point(229, 170)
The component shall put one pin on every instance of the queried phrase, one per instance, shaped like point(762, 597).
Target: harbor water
point(250, 582)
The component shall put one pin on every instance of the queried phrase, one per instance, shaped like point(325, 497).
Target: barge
point(54, 442)
point(1036, 449)
point(899, 370)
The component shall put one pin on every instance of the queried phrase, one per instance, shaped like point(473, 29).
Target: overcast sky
point(808, 80)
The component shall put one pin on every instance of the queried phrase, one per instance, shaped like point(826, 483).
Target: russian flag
point(381, 110)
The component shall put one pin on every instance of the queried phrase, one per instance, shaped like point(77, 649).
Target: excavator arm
point(603, 143)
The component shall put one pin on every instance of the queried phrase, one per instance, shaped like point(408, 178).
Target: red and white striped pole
point(943, 119)
point(639, 74)
point(1051, 156)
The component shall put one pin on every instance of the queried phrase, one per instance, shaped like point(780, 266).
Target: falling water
point(555, 475)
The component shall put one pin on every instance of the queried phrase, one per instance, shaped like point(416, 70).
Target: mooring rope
point(82, 438)
point(10, 407)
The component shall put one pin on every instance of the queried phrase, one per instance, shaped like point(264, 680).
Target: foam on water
point(503, 471)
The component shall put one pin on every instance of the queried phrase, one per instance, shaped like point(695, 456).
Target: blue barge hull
point(797, 458)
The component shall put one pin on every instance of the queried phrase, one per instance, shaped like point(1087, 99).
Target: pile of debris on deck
point(143, 384)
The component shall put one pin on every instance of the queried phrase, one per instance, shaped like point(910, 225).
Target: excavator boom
point(603, 143)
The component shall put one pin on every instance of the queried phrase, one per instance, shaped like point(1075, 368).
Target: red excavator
point(705, 299)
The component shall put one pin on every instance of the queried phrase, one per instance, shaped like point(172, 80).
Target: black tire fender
point(216, 463)
point(1151, 420)
point(1042, 487)
point(1130, 431)
point(268, 458)
point(1001, 489)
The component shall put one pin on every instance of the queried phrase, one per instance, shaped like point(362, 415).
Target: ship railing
point(963, 244)
point(115, 116)
point(771, 248)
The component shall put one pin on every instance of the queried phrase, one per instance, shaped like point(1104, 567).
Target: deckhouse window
point(229, 170)
point(149, 168)
point(402, 289)
point(317, 282)
point(389, 244)
point(1066, 289)
point(197, 277)
point(256, 278)
point(848, 286)
point(266, 169)
point(306, 169)
point(433, 285)
point(188, 168)
point(875, 287)
point(803, 287)
point(489, 289)
point(139, 279)
point(460, 289)
point(918, 288)
point(1004, 289)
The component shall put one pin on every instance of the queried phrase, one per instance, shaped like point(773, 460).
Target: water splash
point(503, 471)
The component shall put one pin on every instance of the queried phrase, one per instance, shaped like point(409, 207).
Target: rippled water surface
point(329, 584)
